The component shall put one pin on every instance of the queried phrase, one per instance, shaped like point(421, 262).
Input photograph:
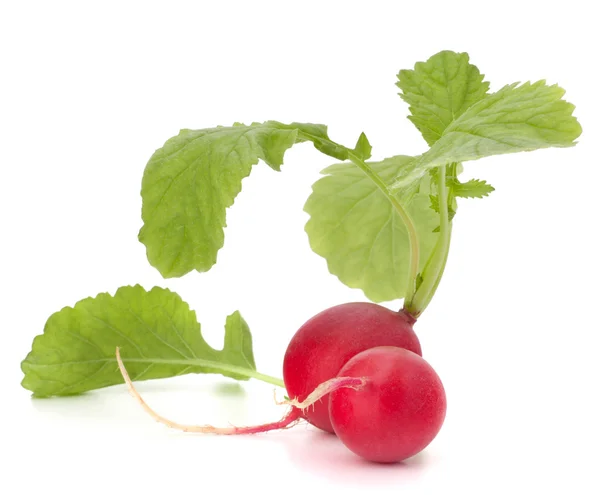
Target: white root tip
point(355, 383)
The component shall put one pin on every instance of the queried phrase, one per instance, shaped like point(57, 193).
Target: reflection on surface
point(322, 455)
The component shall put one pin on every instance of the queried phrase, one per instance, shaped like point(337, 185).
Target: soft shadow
point(324, 454)
point(233, 389)
point(109, 401)
point(90, 406)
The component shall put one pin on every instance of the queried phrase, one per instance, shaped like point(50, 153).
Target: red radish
point(398, 411)
point(329, 339)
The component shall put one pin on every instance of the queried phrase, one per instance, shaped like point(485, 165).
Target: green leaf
point(440, 90)
point(159, 336)
point(474, 188)
point(363, 148)
point(191, 180)
point(434, 203)
point(516, 118)
point(419, 280)
point(354, 227)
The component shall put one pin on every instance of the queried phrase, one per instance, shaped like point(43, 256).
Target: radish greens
point(382, 226)
point(158, 333)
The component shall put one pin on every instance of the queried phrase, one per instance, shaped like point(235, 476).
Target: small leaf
point(354, 227)
point(474, 188)
point(363, 148)
point(451, 213)
point(419, 280)
point(159, 336)
point(434, 203)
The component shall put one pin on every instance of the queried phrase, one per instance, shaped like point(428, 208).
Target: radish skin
point(397, 413)
point(329, 339)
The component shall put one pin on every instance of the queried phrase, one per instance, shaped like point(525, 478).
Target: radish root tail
point(293, 416)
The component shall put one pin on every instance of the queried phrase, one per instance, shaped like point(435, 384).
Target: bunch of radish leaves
point(383, 226)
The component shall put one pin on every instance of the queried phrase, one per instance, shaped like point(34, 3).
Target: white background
point(88, 90)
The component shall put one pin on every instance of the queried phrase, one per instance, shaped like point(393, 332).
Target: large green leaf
point(517, 118)
point(354, 227)
point(159, 336)
point(440, 90)
point(190, 182)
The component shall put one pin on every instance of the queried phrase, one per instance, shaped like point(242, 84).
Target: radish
point(328, 340)
point(355, 369)
point(399, 410)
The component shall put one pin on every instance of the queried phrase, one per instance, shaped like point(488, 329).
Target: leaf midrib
point(201, 363)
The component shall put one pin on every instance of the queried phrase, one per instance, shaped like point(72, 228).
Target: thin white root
point(327, 387)
point(289, 420)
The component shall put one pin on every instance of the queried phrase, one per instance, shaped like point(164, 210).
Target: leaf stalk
point(432, 274)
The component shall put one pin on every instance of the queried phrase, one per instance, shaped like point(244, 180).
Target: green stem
point(434, 270)
point(230, 368)
point(413, 236)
